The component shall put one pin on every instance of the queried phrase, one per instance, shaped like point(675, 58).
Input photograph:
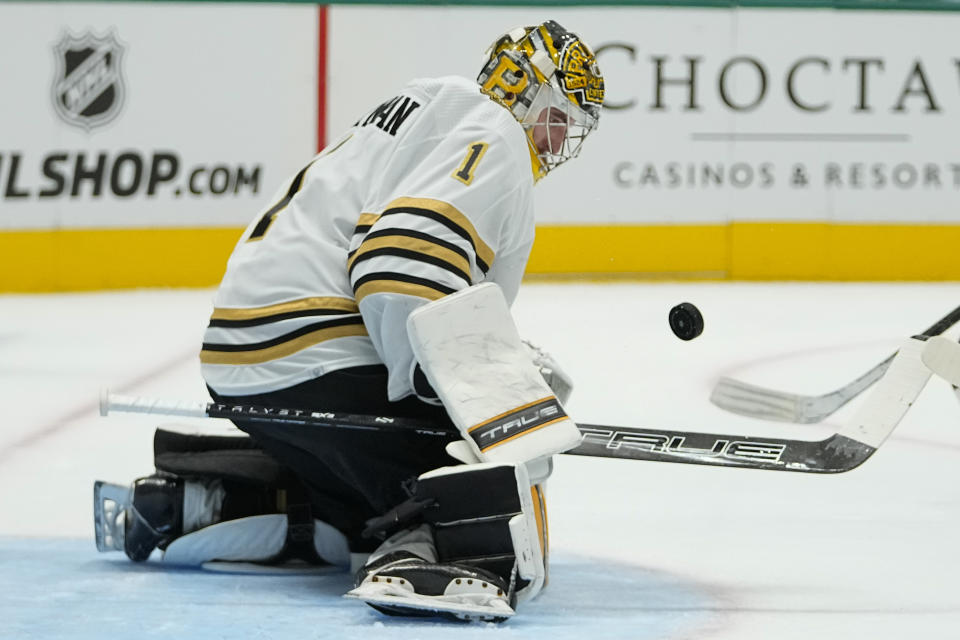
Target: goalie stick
point(843, 451)
point(942, 356)
point(782, 406)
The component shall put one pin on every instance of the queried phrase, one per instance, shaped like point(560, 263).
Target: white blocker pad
point(252, 539)
point(469, 349)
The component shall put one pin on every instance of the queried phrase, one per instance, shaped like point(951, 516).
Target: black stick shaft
point(943, 323)
point(604, 441)
point(327, 419)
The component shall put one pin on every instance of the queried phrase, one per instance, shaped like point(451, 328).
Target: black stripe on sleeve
point(419, 235)
point(445, 221)
point(253, 322)
point(412, 255)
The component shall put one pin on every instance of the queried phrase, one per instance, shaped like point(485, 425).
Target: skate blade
point(109, 503)
point(401, 600)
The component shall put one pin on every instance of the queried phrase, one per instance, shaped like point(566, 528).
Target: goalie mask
point(549, 80)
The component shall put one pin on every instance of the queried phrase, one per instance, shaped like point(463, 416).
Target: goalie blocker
point(468, 347)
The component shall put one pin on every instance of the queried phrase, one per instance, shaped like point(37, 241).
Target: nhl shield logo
point(88, 89)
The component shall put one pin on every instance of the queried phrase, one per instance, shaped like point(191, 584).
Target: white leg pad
point(252, 539)
point(470, 350)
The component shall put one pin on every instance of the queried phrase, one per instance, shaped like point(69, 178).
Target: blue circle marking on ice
point(64, 588)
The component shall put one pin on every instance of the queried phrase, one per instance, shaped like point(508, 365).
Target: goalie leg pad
point(489, 516)
point(481, 550)
point(403, 577)
point(470, 351)
point(254, 539)
point(233, 459)
point(203, 480)
point(152, 512)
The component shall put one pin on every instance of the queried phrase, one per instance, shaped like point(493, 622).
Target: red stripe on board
point(321, 76)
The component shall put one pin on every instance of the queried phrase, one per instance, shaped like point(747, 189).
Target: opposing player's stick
point(942, 356)
point(843, 451)
point(782, 406)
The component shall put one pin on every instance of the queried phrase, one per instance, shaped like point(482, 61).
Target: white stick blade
point(757, 402)
point(893, 395)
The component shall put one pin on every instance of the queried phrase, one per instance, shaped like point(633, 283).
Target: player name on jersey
point(391, 114)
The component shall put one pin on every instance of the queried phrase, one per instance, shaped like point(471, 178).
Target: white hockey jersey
point(425, 195)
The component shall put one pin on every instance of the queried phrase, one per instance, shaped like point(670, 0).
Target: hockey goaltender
point(379, 281)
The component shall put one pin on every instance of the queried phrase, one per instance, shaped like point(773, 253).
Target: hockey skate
point(137, 519)
point(110, 504)
point(404, 584)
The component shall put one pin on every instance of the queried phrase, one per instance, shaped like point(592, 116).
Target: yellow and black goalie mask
point(549, 80)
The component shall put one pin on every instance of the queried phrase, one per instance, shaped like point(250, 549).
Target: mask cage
point(563, 118)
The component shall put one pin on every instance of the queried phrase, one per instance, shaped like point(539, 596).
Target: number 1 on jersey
point(267, 219)
point(464, 172)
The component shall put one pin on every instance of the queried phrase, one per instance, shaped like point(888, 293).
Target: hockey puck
point(686, 321)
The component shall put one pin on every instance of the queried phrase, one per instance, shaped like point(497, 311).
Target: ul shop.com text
point(123, 174)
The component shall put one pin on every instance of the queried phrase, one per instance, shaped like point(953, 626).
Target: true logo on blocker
point(88, 88)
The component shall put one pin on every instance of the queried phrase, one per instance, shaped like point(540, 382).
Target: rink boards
point(138, 139)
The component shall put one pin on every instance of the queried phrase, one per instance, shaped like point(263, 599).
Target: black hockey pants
point(351, 476)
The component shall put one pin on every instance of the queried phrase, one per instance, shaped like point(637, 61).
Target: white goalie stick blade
point(395, 599)
point(845, 450)
point(782, 406)
point(769, 404)
point(942, 356)
point(110, 502)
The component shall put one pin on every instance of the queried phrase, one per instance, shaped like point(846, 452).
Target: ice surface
point(640, 550)
point(63, 588)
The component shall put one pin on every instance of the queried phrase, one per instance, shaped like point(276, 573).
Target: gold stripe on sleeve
point(412, 244)
point(367, 219)
point(259, 356)
point(451, 213)
point(346, 305)
point(397, 286)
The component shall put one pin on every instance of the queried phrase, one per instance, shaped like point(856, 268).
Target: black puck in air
point(686, 321)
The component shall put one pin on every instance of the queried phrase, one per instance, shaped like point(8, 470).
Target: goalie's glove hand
point(556, 378)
